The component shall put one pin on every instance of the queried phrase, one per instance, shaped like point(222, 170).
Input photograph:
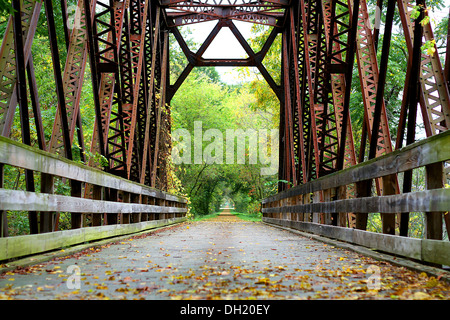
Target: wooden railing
point(115, 206)
point(321, 206)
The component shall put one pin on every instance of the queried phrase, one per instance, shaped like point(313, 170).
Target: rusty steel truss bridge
point(327, 187)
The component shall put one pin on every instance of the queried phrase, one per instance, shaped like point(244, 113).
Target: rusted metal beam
point(72, 78)
point(447, 55)
point(152, 98)
point(34, 97)
point(294, 24)
point(23, 102)
point(185, 18)
point(58, 79)
point(222, 3)
point(94, 66)
point(346, 135)
point(309, 21)
point(381, 78)
point(161, 105)
point(369, 75)
point(434, 99)
point(138, 21)
point(411, 98)
point(8, 84)
point(290, 173)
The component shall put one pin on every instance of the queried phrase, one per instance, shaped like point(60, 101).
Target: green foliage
point(206, 216)
point(250, 216)
point(5, 7)
point(265, 99)
point(203, 97)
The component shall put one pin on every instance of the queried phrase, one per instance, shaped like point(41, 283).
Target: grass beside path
point(246, 216)
point(241, 215)
point(207, 216)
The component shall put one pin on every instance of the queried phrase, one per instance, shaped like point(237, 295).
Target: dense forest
point(204, 98)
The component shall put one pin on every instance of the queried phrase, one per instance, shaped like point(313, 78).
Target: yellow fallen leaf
point(421, 296)
point(432, 282)
point(102, 287)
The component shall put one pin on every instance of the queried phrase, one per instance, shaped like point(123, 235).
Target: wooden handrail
point(26, 157)
point(291, 208)
point(425, 152)
point(137, 201)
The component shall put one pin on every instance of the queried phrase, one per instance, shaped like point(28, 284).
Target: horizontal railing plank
point(434, 251)
point(25, 245)
point(423, 201)
point(43, 202)
point(23, 156)
point(431, 150)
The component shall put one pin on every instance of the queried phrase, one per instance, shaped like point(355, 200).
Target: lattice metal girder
point(137, 57)
point(369, 74)
point(112, 34)
point(434, 95)
point(338, 81)
point(310, 38)
point(256, 3)
point(188, 12)
point(368, 71)
point(72, 78)
point(8, 96)
point(181, 19)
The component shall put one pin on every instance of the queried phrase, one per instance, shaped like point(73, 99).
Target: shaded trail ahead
point(219, 258)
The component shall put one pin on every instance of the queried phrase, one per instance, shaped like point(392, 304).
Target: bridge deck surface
point(221, 258)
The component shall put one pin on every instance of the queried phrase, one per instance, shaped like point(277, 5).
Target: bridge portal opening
point(225, 148)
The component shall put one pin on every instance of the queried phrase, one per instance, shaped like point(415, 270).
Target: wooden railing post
point(151, 201)
point(3, 214)
point(76, 217)
point(307, 200)
point(388, 219)
point(112, 218)
point(316, 199)
point(341, 216)
point(97, 194)
point(47, 218)
point(433, 220)
point(144, 215)
point(135, 216)
point(363, 189)
point(125, 217)
point(327, 198)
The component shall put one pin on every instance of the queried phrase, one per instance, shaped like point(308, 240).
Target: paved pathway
point(221, 258)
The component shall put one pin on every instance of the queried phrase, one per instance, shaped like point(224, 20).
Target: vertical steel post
point(388, 220)
point(23, 102)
